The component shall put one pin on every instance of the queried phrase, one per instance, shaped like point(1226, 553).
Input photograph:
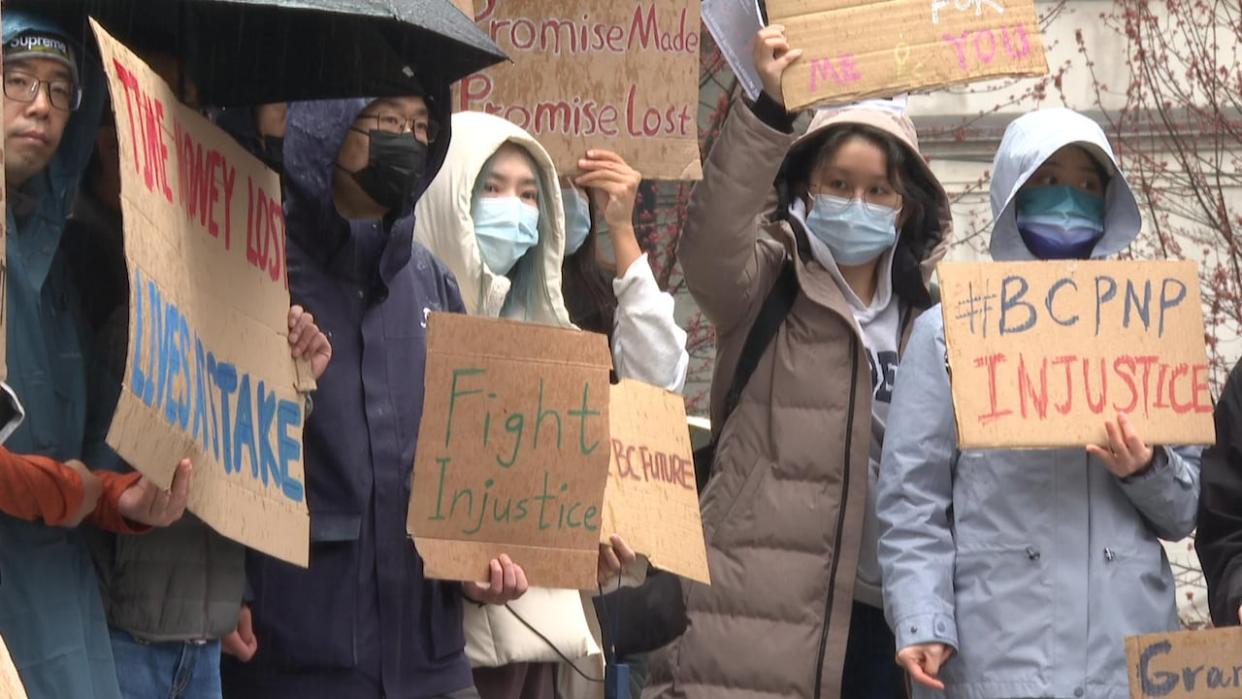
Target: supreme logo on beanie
point(35, 44)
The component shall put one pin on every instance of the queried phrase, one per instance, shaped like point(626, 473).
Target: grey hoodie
point(1033, 565)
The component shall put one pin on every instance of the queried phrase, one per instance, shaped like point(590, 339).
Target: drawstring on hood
point(1028, 142)
point(446, 226)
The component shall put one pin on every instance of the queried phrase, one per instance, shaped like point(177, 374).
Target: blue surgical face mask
point(1059, 223)
point(855, 232)
point(505, 228)
point(577, 219)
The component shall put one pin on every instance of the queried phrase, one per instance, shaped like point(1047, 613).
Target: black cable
point(556, 650)
point(610, 651)
point(616, 619)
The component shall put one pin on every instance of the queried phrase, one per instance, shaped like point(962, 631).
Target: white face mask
point(505, 228)
point(854, 231)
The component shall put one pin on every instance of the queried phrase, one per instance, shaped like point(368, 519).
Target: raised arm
point(719, 249)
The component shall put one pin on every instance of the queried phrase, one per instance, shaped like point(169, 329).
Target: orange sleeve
point(106, 515)
point(38, 488)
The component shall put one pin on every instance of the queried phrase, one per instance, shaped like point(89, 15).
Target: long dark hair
point(587, 289)
point(921, 202)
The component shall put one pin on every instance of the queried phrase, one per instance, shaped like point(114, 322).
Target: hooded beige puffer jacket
point(784, 508)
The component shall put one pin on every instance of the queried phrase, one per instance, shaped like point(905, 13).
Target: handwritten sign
point(616, 74)
point(10, 681)
point(1186, 665)
point(513, 450)
point(1042, 354)
point(209, 375)
point(651, 499)
point(884, 47)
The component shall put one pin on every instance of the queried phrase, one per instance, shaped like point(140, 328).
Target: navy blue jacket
point(362, 621)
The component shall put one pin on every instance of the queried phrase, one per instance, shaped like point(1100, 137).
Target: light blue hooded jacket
point(50, 613)
point(1033, 565)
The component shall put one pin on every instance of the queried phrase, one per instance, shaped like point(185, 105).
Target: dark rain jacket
point(362, 621)
point(1219, 537)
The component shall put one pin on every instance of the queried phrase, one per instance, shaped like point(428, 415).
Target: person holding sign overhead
point(50, 612)
point(1019, 573)
point(362, 621)
point(506, 251)
point(819, 294)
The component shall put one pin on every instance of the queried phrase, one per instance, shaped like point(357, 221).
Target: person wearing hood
point(509, 246)
point(50, 613)
point(494, 215)
point(1019, 573)
point(362, 621)
point(794, 608)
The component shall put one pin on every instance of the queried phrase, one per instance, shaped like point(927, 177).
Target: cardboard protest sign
point(10, 681)
point(616, 74)
point(651, 499)
point(513, 450)
point(1187, 665)
point(862, 48)
point(209, 374)
point(1042, 354)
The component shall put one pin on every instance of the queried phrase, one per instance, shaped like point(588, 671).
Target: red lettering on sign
point(656, 466)
point(147, 137)
point(990, 361)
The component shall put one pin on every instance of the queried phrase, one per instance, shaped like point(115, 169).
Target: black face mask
point(395, 165)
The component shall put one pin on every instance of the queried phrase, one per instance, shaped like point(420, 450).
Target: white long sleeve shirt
point(647, 344)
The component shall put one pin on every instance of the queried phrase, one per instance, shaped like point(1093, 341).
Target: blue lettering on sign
point(288, 414)
point(1170, 299)
point(185, 384)
point(1118, 304)
point(1163, 683)
point(1011, 299)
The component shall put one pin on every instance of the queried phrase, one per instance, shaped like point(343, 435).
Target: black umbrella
point(242, 52)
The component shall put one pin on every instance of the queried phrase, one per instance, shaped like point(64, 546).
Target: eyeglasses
point(423, 128)
point(840, 194)
point(24, 87)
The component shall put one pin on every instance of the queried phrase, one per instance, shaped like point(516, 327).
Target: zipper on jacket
point(845, 489)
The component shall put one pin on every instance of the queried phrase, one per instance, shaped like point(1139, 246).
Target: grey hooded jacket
point(1033, 565)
